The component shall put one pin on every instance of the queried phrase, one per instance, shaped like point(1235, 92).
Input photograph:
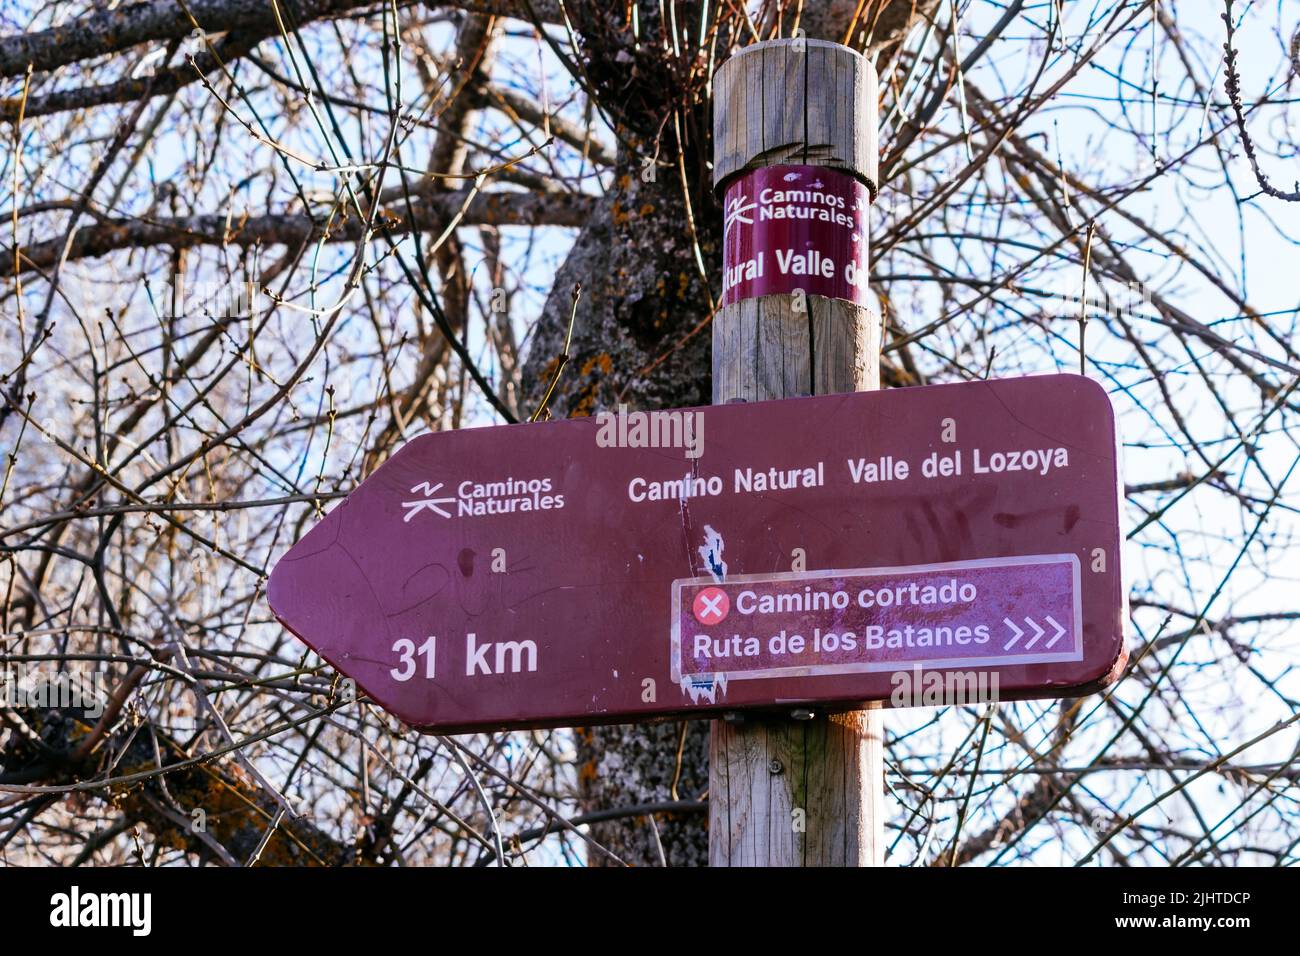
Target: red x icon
point(711, 605)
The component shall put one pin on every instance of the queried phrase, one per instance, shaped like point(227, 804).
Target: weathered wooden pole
point(804, 788)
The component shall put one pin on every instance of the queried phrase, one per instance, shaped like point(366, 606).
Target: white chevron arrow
point(1019, 633)
point(1060, 632)
point(1038, 632)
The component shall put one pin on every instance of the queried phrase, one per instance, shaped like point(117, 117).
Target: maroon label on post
point(790, 228)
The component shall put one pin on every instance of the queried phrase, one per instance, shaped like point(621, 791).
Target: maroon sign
point(816, 551)
point(795, 227)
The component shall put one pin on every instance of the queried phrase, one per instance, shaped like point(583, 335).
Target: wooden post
point(804, 789)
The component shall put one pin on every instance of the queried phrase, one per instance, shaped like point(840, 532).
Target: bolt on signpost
point(787, 561)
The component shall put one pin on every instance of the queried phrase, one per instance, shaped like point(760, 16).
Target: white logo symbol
point(413, 508)
point(736, 210)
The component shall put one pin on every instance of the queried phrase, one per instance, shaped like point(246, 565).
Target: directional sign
point(806, 552)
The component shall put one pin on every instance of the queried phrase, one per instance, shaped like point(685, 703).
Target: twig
point(1232, 83)
point(564, 356)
